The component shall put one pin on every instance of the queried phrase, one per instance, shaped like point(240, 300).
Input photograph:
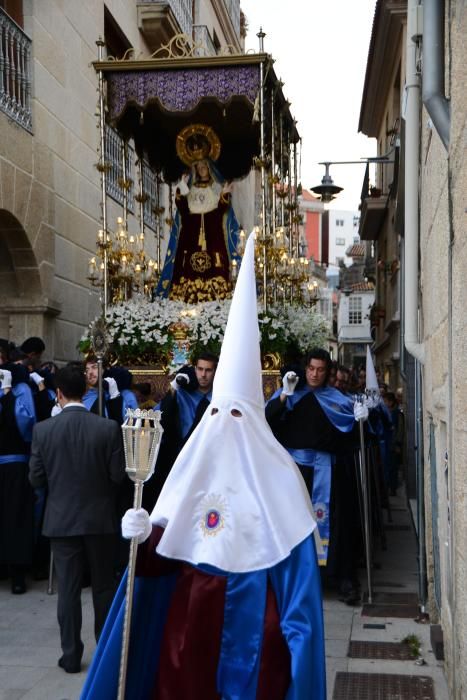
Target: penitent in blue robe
point(252, 636)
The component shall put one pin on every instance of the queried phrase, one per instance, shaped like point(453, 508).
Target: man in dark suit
point(79, 457)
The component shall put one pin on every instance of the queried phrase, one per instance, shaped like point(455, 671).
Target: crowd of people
point(63, 487)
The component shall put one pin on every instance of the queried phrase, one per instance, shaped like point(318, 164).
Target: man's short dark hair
point(319, 354)
point(207, 357)
point(71, 382)
point(33, 344)
point(17, 355)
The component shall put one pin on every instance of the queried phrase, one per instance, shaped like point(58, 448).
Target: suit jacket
point(79, 457)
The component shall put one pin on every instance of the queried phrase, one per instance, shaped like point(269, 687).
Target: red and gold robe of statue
point(201, 266)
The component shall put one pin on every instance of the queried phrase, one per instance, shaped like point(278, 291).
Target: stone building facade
point(427, 217)
point(49, 186)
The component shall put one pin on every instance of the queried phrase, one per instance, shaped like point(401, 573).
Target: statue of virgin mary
point(204, 234)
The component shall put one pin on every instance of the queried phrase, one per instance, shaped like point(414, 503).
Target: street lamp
point(327, 190)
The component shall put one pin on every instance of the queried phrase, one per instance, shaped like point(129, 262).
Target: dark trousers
point(16, 516)
point(72, 556)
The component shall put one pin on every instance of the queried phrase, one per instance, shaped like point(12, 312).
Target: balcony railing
point(114, 156)
point(150, 189)
point(15, 72)
point(233, 6)
point(201, 35)
point(182, 10)
point(114, 180)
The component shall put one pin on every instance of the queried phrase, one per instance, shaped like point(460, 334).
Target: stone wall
point(443, 274)
point(49, 186)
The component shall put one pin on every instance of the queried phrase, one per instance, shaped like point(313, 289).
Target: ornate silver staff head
point(142, 433)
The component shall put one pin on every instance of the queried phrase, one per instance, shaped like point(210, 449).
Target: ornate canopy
point(152, 100)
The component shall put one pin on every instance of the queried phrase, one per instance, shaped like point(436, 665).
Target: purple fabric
point(181, 90)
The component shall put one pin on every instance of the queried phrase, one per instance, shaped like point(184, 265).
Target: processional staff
point(142, 433)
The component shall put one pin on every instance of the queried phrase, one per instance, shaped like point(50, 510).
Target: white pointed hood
point(371, 380)
point(239, 370)
point(235, 498)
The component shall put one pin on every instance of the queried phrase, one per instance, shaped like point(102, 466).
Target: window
point(340, 241)
point(356, 239)
point(355, 310)
point(115, 40)
point(339, 222)
point(13, 8)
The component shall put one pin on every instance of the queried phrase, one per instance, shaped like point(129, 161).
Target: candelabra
point(281, 277)
point(129, 269)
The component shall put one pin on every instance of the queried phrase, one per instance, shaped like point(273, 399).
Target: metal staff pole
point(261, 36)
point(99, 346)
point(102, 167)
point(366, 516)
point(142, 433)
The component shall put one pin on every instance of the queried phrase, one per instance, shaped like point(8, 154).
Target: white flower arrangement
point(139, 331)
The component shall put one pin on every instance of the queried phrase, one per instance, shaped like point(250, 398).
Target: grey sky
point(320, 49)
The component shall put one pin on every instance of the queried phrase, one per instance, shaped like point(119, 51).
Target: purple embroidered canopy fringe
point(181, 90)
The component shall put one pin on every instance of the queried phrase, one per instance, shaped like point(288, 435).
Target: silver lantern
point(142, 433)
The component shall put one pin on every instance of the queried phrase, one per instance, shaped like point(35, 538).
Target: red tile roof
point(362, 287)
point(357, 250)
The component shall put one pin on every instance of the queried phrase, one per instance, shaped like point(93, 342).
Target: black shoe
point(18, 585)
point(72, 668)
point(352, 598)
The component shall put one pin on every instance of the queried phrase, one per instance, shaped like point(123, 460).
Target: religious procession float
point(207, 133)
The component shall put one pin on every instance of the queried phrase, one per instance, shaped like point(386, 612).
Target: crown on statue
point(197, 142)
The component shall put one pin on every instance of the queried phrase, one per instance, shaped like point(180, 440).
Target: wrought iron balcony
point(15, 72)
point(202, 36)
point(115, 181)
point(160, 20)
point(233, 7)
point(114, 158)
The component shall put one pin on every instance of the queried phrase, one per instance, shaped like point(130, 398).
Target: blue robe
point(338, 409)
point(296, 586)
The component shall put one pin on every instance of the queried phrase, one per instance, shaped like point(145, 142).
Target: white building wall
point(354, 332)
point(343, 232)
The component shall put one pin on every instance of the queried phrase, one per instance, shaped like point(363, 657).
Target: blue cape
point(187, 402)
point(297, 587)
point(25, 413)
point(337, 407)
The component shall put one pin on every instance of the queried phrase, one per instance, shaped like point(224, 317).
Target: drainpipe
point(434, 97)
point(411, 214)
point(411, 272)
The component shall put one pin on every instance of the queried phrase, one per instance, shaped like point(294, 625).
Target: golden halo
point(197, 142)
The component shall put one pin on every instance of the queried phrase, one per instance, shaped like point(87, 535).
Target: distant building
point(311, 209)
point(343, 232)
point(354, 319)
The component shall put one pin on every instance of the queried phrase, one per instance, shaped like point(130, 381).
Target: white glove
point(181, 380)
point(136, 523)
point(5, 378)
point(113, 388)
point(360, 411)
point(56, 409)
point(373, 400)
point(36, 378)
point(289, 382)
